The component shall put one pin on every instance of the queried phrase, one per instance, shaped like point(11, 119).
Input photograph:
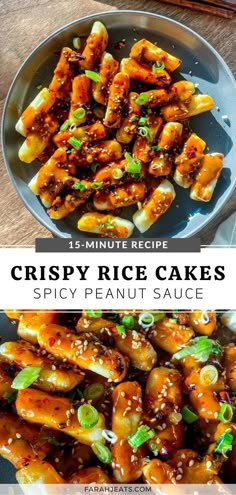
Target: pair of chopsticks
point(222, 8)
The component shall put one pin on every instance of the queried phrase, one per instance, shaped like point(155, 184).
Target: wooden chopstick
point(228, 4)
point(202, 7)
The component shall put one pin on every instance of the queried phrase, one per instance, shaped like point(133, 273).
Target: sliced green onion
point(142, 121)
point(146, 320)
point(76, 43)
point(99, 112)
point(78, 186)
point(153, 447)
point(142, 99)
point(158, 316)
point(74, 142)
point(79, 113)
point(172, 320)
point(65, 125)
point(102, 452)
point(208, 375)
point(224, 443)
point(75, 394)
point(94, 391)
point(200, 348)
point(158, 66)
point(216, 349)
point(94, 76)
point(96, 184)
point(94, 313)
point(132, 167)
point(145, 132)
point(133, 118)
point(188, 415)
point(51, 440)
point(141, 436)
point(121, 329)
point(10, 397)
point(87, 416)
point(107, 224)
point(226, 413)
point(128, 321)
point(94, 166)
point(156, 148)
point(26, 377)
point(117, 173)
point(109, 435)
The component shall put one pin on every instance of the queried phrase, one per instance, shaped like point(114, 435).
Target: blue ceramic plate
point(200, 63)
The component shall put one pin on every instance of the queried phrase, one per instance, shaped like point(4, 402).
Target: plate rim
point(54, 229)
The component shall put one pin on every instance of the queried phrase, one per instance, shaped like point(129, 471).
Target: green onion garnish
point(226, 413)
point(156, 148)
point(128, 321)
point(108, 225)
point(141, 436)
point(117, 173)
point(94, 391)
point(224, 443)
point(65, 125)
point(142, 99)
point(79, 113)
point(158, 316)
point(76, 43)
point(172, 320)
point(153, 447)
point(26, 377)
point(145, 132)
point(10, 397)
point(99, 112)
point(142, 121)
point(200, 348)
point(133, 118)
point(74, 142)
point(146, 320)
point(158, 66)
point(132, 167)
point(78, 186)
point(87, 416)
point(121, 329)
point(188, 415)
point(102, 452)
point(94, 313)
point(51, 440)
point(93, 166)
point(94, 76)
point(96, 184)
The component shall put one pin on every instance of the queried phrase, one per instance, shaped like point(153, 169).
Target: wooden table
point(24, 23)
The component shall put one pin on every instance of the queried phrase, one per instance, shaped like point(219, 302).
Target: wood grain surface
point(24, 23)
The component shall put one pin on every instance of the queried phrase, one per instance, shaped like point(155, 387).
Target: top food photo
point(121, 124)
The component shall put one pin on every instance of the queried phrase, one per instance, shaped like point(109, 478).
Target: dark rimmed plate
point(201, 64)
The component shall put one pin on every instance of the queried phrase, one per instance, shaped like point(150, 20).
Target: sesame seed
point(18, 435)
point(10, 440)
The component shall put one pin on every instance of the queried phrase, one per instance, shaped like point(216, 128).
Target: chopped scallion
point(79, 114)
point(94, 391)
point(26, 377)
point(142, 121)
point(74, 142)
point(146, 320)
point(65, 125)
point(87, 416)
point(96, 184)
point(76, 43)
point(158, 66)
point(94, 76)
point(102, 452)
point(226, 413)
point(128, 321)
point(188, 415)
point(141, 436)
point(134, 118)
point(200, 348)
point(121, 329)
point(94, 313)
point(142, 99)
point(78, 186)
point(132, 167)
point(224, 443)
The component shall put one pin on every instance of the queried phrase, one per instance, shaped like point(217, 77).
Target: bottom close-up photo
point(92, 396)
